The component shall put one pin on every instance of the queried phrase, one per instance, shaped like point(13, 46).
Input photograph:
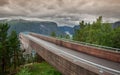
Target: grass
point(40, 69)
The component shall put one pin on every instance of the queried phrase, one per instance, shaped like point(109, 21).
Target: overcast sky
point(63, 11)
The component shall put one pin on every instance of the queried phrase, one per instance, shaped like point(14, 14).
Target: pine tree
point(4, 50)
point(10, 53)
point(15, 47)
point(95, 33)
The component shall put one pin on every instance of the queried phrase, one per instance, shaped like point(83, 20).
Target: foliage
point(67, 36)
point(15, 48)
point(29, 58)
point(24, 71)
point(4, 49)
point(116, 38)
point(10, 52)
point(98, 33)
point(53, 34)
point(42, 68)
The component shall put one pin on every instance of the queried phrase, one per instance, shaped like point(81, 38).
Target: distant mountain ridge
point(41, 27)
point(66, 29)
point(71, 30)
point(116, 24)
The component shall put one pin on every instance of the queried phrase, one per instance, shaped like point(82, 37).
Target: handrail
point(117, 50)
point(94, 45)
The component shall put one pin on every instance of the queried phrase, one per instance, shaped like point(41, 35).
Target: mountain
point(66, 29)
point(41, 27)
point(116, 24)
point(76, 27)
point(71, 30)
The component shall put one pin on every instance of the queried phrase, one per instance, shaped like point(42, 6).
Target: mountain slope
point(41, 27)
point(116, 24)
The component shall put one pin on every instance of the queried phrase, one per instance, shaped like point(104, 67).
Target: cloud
point(78, 9)
point(4, 2)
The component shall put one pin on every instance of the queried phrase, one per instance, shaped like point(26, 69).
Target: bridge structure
point(72, 58)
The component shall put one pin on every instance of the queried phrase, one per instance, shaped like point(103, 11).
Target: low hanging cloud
point(75, 9)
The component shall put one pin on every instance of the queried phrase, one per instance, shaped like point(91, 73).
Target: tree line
point(98, 33)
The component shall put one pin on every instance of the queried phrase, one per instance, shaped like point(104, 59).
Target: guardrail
point(94, 45)
point(84, 43)
point(85, 48)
